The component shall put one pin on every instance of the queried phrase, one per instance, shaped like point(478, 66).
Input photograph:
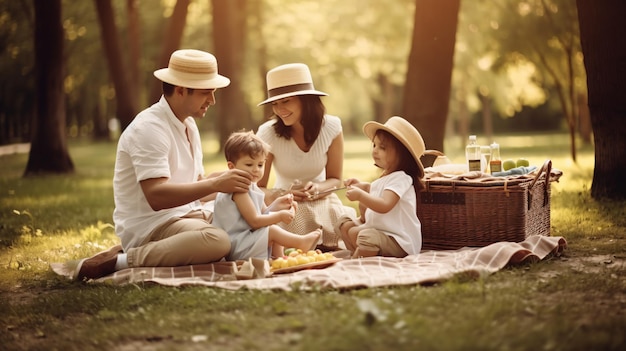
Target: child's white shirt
point(401, 221)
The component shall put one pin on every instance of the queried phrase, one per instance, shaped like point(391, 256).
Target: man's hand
point(233, 181)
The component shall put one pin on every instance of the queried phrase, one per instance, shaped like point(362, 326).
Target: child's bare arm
point(381, 204)
point(284, 202)
point(362, 209)
point(355, 183)
point(255, 219)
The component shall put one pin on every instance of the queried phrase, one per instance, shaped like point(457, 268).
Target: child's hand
point(283, 202)
point(355, 193)
point(294, 206)
point(355, 183)
point(350, 182)
point(286, 216)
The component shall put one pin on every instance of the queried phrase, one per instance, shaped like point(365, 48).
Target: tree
point(134, 48)
point(602, 29)
point(125, 102)
point(17, 86)
point(427, 86)
point(545, 33)
point(357, 54)
point(49, 153)
point(229, 37)
point(173, 36)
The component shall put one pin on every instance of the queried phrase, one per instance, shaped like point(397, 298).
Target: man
point(159, 181)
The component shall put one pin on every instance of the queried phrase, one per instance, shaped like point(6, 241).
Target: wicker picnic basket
point(456, 213)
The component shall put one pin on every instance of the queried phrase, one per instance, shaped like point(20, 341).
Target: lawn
point(573, 302)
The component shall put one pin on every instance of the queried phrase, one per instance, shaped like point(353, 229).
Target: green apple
point(522, 162)
point(289, 250)
point(508, 164)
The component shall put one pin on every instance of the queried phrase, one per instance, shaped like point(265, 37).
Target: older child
point(388, 225)
point(250, 224)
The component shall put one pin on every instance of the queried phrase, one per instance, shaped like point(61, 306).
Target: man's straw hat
point(289, 80)
point(403, 131)
point(193, 69)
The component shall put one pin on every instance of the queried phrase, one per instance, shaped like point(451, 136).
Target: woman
point(306, 152)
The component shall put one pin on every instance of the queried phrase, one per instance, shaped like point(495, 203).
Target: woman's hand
point(310, 191)
point(300, 195)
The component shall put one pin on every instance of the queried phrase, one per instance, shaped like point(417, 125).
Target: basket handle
point(547, 169)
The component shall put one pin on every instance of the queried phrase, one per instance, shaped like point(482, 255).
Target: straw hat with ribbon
point(403, 131)
point(193, 69)
point(289, 80)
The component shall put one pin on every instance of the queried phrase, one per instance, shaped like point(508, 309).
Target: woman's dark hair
point(406, 162)
point(313, 111)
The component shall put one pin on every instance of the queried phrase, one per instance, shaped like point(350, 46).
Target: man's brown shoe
point(97, 266)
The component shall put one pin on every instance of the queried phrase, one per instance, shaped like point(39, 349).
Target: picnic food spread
point(297, 257)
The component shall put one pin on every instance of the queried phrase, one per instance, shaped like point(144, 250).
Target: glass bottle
point(472, 154)
point(495, 165)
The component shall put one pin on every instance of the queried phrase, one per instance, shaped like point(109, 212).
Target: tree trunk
point(584, 126)
point(259, 45)
point(49, 152)
point(386, 102)
point(134, 48)
point(172, 37)
point(427, 86)
point(125, 105)
point(602, 29)
point(101, 129)
point(229, 36)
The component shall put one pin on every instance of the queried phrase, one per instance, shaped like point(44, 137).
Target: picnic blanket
point(428, 267)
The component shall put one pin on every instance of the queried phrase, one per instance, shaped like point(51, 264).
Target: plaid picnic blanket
point(426, 268)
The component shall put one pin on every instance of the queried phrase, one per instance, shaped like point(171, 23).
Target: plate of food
point(312, 265)
point(297, 260)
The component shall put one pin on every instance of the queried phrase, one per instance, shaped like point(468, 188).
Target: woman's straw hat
point(403, 131)
point(289, 80)
point(193, 69)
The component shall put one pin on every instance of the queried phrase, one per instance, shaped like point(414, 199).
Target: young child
point(250, 224)
point(388, 225)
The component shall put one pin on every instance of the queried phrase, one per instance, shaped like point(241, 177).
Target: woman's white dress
point(291, 164)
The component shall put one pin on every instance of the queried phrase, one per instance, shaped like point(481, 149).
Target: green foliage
point(17, 93)
point(516, 53)
point(354, 48)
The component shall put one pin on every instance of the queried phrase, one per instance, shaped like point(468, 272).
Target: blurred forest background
point(511, 60)
point(452, 67)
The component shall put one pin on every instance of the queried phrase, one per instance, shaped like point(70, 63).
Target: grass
point(573, 302)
